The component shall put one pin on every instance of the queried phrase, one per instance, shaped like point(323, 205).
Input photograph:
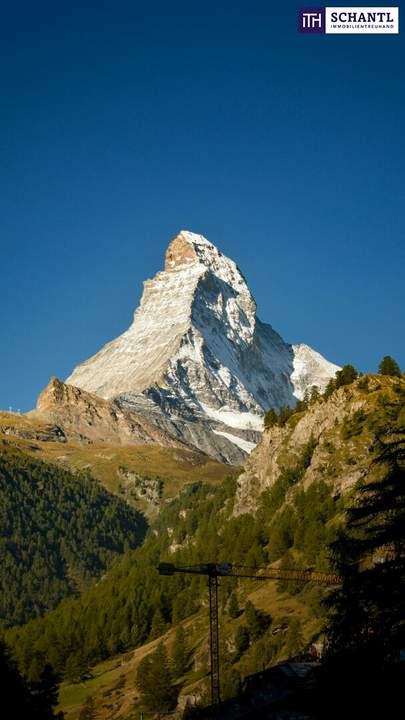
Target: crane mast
point(216, 570)
point(214, 637)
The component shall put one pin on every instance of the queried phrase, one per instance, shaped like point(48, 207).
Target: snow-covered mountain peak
point(188, 248)
point(196, 345)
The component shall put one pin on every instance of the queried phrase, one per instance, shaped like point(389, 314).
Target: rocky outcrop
point(88, 417)
point(196, 338)
point(340, 430)
point(20, 426)
point(141, 488)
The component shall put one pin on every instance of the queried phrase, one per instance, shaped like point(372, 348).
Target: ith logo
point(311, 20)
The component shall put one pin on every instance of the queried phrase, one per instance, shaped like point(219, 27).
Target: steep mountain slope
point(144, 474)
point(341, 429)
point(300, 478)
point(58, 532)
point(196, 354)
point(112, 683)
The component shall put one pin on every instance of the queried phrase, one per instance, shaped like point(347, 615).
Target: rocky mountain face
point(340, 431)
point(196, 361)
point(79, 415)
point(87, 417)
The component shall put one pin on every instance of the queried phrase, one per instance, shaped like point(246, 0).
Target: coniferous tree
point(35, 667)
point(77, 666)
point(270, 418)
point(257, 621)
point(231, 682)
point(302, 405)
point(295, 639)
point(370, 554)
point(59, 530)
point(365, 630)
point(233, 606)
point(23, 700)
point(389, 366)
point(117, 613)
point(292, 587)
point(154, 682)
point(242, 640)
point(331, 386)
point(284, 414)
point(179, 653)
point(158, 626)
point(346, 376)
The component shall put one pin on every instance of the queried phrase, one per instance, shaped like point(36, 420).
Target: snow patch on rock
point(310, 368)
point(240, 420)
point(244, 444)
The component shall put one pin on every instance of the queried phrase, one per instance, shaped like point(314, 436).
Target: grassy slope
point(113, 683)
point(176, 467)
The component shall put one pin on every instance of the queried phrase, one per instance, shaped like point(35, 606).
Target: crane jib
point(216, 570)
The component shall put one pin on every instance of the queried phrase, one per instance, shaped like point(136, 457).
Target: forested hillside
point(297, 518)
point(59, 531)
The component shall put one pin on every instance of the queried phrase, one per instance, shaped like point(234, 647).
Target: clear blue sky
point(124, 122)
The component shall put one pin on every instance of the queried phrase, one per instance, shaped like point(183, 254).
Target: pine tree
point(46, 690)
point(271, 418)
point(35, 667)
point(242, 640)
point(257, 621)
point(389, 366)
point(155, 683)
point(158, 626)
point(365, 629)
point(284, 414)
point(294, 640)
point(330, 388)
point(346, 376)
point(231, 683)
point(292, 587)
point(371, 553)
point(302, 405)
point(20, 699)
point(179, 653)
point(233, 606)
point(77, 667)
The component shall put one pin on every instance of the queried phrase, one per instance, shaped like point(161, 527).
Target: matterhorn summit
point(197, 361)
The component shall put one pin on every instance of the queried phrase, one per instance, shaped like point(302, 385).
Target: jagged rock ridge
point(196, 359)
point(87, 417)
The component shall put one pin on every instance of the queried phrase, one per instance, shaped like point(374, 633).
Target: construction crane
point(224, 569)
